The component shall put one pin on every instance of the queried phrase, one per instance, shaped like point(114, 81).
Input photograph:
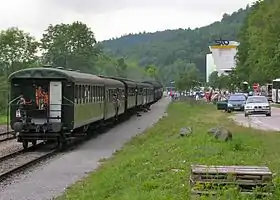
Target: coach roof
point(54, 73)
point(130, 83)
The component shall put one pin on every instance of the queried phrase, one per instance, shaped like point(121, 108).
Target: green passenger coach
point(56, 104)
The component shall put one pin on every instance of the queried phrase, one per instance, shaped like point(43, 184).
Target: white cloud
point(109, 18)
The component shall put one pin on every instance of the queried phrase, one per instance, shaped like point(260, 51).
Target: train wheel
point(24, 144)
point(34, 142)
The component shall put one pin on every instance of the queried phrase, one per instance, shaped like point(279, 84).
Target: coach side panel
point(89, 104)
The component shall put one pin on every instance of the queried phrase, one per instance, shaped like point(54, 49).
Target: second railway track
point(20, 160)
point(7, 136)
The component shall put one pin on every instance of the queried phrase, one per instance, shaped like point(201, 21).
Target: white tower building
point(224, 56)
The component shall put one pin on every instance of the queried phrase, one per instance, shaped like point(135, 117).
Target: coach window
point(85, 94)
point(76, 94)
point(89, 95)
point(80, 94)
point(100, 93)
point(92, 94)
point(95, 94)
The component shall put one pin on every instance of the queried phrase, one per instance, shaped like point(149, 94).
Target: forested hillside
point(171, 51)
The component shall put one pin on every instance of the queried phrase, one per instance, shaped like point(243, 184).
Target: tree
point(188, 79)
point(17, 49)
point(258, 52)
point(214, 79)
point(121, 68)
point(70, 45)
point(151, 71)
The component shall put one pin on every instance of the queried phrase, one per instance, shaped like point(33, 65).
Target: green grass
point(3, 119)
point(144, 168)
point(275, 105)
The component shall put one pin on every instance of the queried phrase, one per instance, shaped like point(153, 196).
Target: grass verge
point(275, 105)
point(3, 119)
point(144, 168)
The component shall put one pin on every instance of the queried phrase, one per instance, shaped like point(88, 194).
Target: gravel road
point(260, 121)
point(51, 179)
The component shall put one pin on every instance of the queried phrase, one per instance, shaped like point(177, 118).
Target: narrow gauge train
point(75, 101)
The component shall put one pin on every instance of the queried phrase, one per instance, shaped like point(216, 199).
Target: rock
point(221, 133)
point(212, 131)
point(185, 131)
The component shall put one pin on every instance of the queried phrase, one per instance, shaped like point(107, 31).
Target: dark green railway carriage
point(142, 91)
point(130, 91)
point(113, 87)
point(153, 93)
point(148, 93)
point(75, 100)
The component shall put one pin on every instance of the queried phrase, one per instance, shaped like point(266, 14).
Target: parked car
point(257, 105)
point(236, 102)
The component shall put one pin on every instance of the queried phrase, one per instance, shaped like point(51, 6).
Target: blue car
point(236, 102)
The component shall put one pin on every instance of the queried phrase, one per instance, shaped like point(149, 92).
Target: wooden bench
point(207, 180)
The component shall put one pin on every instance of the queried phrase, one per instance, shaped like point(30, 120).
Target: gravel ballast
point(51, 179)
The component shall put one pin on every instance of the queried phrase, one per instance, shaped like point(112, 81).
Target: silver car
point(257, 105)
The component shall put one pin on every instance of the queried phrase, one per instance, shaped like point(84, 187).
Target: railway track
point(7, 136)
point(23, 159)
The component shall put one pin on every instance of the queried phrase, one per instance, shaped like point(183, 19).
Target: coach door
point(55, 101)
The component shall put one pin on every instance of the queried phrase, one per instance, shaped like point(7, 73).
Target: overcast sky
point(111, 18)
